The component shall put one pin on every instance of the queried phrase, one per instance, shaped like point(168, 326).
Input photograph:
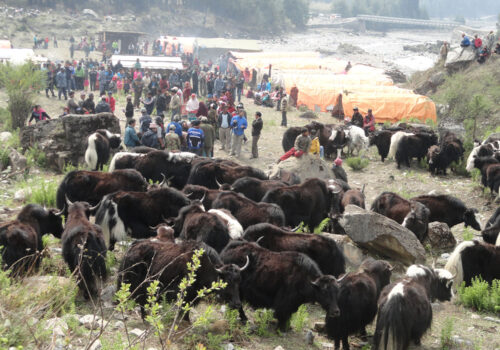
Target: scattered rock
point(440, 236)
point(445, 256)
point(396, 75)
point(219, 327)
point(424, 48)
point(461, 342)
point(137, 332)
point(119, 325)
point(279, 347)
point(96, 346)
point(108, 293)
point(59, 326)
point(382, 235)
point(475, 317)
point(21, 195)
point(431, 84)
point(327, 345)
point(309, 337)
point(17, 161)
point(40, 284)
point(308, 115)
point(492, 319)
point(90, 13)
point(350, 49)
point(229, 346)
point(91, 322)
point(319, 327)
point(305, 167)
point(5, 136)
point(437, 307)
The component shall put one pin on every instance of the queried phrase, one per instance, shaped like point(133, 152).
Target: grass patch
point(300, 318)
point(480, 296)
point(263, 319)
point(35, 156)
point(357, 163)
point(446, 342)
point(43, 192)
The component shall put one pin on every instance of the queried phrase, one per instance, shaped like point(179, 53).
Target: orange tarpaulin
point(362, 86)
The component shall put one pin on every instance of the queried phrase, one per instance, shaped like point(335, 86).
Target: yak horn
point(259, 239)
point(218, 183)
point(68, 202)
point(203, 197)
point(164, 181)
point(341, 278)
point(391, 267)
point(363, 189)
point(59, 213)
point(95, 206)
point(246, 265)
point(189, 194)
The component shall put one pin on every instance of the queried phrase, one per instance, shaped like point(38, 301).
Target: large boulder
point(64, 140)
point(381, 235)
point(440, 236)
point(459, 58)
point(305, 167)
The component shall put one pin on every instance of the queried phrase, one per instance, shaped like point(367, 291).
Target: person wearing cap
point(172, 140)
point(175, 103)
point(224, 123)
point(102, 106)
point(357, 118)
point(369, 122)
point(301, 145)
point(81, 101)
point(131, 139)
point(209, 133)
point(177, 125)
point(72, 105)
point(195, 137)
point(129, 108)
point(111, 101)
point(257, 125)
point(192, 107)
point(338, 171)
point(238, 126)
point(150, 137)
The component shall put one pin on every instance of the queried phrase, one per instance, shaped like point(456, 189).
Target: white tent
point(20, 56)
point(151, 62)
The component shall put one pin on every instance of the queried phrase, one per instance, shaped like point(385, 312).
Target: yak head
point(231, 274)
point(470, 219)
point(326, 292)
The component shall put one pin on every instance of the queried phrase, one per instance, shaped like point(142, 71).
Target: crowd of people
point(482, 49)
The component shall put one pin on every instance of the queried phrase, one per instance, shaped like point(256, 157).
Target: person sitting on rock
point(302, 145)
point(150, 137)
point(131, 139)
point(38, 115)
point(483, 55)
point(465, 41)
point(103, 106)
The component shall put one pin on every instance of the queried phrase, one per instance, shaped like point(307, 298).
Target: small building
point(123, 38)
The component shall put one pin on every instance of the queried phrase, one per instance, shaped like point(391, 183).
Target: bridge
point(409, 21)
point(361, 20)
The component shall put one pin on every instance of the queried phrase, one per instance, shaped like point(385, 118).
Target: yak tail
point(91, 261)
point(391, 332)
point(91, 157)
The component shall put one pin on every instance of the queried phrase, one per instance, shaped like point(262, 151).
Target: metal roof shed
point(124, 38)
point(149, 62)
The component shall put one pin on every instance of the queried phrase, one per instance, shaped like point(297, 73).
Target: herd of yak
point(173, 204)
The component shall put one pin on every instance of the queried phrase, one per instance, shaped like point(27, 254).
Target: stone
point(17, 161)
point(353, 255)
point(5, 136)
point(137, 332)
point(437, 307)
point(96, 345)
point(20, 195)
point(459, 58)
point(229, 346)
point(319, 327)
point(108, 293)
point(279, 347)
point(64, 140)
point(304, 167)
point(219, 327)
point(381, 235)
point(440, 236)
point(119, 325)
point(475, 317)
point(59, 326)
point(326, 345)
point(90, 321)
point(309, 337)
point(461, 342)
point(492, 319)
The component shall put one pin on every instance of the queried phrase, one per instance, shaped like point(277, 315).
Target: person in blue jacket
point(195, 138)
point(465, 41)
point(131, 140)
point(238, 126)
point(178, 126)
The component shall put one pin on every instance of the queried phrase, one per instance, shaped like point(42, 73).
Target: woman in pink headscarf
point(192, 107)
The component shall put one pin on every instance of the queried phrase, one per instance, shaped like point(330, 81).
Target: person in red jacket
point(111, 101)
point(369, 122)
point(478, 43)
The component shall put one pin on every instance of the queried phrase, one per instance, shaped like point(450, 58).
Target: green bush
point(300, 318)
point(43, 192)
point(35, 156)
point(263, 319)
point(480, 296)
point(357, 163)
point(446, 342)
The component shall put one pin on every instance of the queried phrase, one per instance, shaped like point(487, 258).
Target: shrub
point(446, 342)
point(300, 318)
point(263, 319)
point(35, 156)
point(43, 192)
point(357, 163)
point(480, 296)
point(322, 225)
point(468, 235)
